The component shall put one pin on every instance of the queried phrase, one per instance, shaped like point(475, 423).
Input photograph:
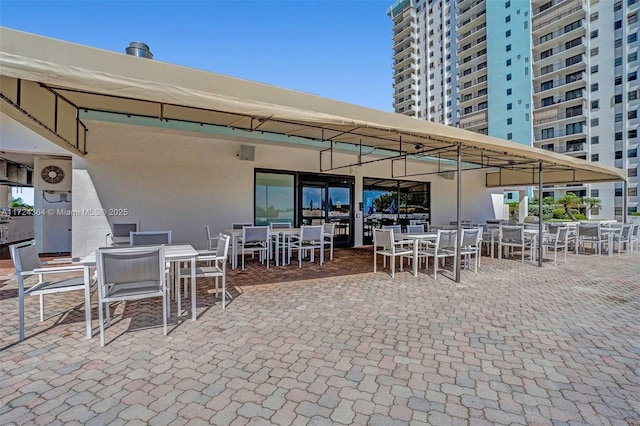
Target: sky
point(339, 49)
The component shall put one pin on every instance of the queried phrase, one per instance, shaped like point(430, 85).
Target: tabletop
point(171, 252)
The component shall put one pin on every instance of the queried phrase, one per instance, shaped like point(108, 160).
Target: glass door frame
point(345, 225)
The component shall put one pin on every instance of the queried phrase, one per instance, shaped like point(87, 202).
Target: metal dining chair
point(27, 264)
point(130, 273)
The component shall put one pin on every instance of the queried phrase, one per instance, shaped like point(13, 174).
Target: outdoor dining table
point(172, 253)
point(415, 238)
point(235, 234)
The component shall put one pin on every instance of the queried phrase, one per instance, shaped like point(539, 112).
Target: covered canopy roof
point(45, 82)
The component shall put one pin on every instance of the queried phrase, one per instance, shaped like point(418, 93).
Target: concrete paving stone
point(299, 395)
point(353, 394)
point(401, 411)
point(310, 409)
point(138, 412)
point(285, 415)
point(251, 410)
point(343, 413)
point(226, 415)
point(318, 387)
point(471, 401)
point(401, 391)
point(380, 420)
point(561, 351)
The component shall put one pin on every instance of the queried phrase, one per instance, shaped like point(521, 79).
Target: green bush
point(635, 214)
point(560, 214)
point(547, 211)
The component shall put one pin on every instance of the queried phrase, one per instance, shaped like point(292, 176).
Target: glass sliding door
point(328, 199)
point(393, 202)
point(274, 198)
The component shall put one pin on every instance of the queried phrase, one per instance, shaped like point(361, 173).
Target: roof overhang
point(46, 83)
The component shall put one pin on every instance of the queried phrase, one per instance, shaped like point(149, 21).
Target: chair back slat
point(329, 228)
point(122, 230)
point(416, 229)
point(311, 233)
point(396, 228)
point(562, 233)
point(447, 239)
point(589, 231)
point(470, 237)
point(131, 266)
point(280, 225)
point(254, 234)
point(383, 238)
point(223, 246)
point(149, 238)
point(513, 234)
point(25, 257)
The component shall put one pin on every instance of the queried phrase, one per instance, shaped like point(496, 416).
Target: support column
point(540, 225)
point(625, 201)
point(458, 211)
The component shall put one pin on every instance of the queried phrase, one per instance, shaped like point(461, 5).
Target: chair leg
point(164, 310)
point(393, 266)
point(224, 287)
point(42, 307)
point(101, 322)
point(375, 258)
point(21, 309)
point(435, 268)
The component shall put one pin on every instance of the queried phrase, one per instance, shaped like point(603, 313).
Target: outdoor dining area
point(418, 244)
point(148, 264)
point(134, 265)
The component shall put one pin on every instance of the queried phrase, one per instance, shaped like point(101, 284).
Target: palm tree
point(568, 201)
point(591, 203)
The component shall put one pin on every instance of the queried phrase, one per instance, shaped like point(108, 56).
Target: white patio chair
point(311, 238)
point(513, 237)
point(623, 237)
point(415, 229)
point(255, 239)
point(280, 241)
point(130, 273)
point(120, 233)
point(445, 247)
point(397, 229)
point(212, 241)
point(216, 267)
point(329, 233)
point(591, 234)
point(634, 237)
point(470, 246)
point(385, 246)
point(27, 263)
point(141, 238)
point(555, 242)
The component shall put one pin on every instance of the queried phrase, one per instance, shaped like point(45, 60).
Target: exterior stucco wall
point(167, 180)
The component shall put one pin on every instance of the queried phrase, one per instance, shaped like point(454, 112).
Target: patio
point(512, 344)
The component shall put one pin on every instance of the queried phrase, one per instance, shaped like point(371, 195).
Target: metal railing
point(555, 17)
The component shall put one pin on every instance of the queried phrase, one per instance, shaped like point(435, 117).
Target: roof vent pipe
point(138, 49)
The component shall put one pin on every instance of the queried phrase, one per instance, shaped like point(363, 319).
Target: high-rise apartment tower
point(560, 75)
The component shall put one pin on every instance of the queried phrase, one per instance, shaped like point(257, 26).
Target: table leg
point(415, 258)
point(234, 250)
point(193, 287)
point(87, 301)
